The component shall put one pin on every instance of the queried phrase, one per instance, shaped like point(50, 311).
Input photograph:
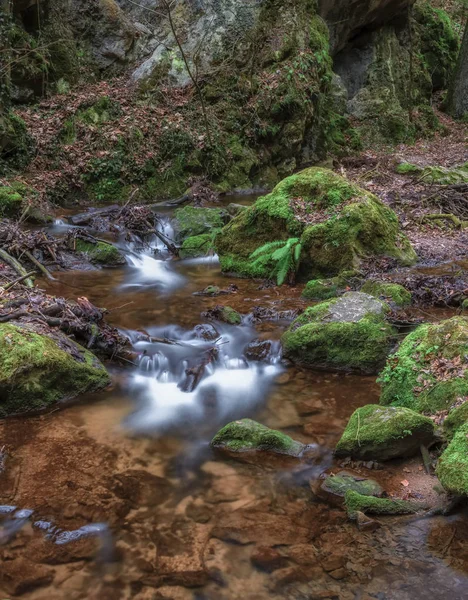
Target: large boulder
point(338, 223)
point(452, 468)
point(428, 372)
point(349, 334)
point(381, 433)
point(38, 370)
point(193, 221)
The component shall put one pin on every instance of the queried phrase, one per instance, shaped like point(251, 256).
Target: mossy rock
point(427, 373)
point(435, 174)
point(193, 221)
point(381, 433)
point(247, 435)
point(349, 333)
point(388, 291)
point(452, 468)
point(100, 253)
point(336, 486)
point(197, 246)
point(324, 289)
point(10, 202)
point(38, 371)
point(351, 224)
point(356, 502)
point(455, 419)
point(226, 314)
point(17, 146)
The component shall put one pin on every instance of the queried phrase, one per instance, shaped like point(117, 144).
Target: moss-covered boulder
point(10, 202)
point(338, 224)
point(196, 246)
point(456, 418)
point(392, 292)
point(452, 468)
point(247, 435)
point(349, 333)
point(37, 370)
point(356, 502)
point(101, 253)
point(428, 372)
point(193, 221)
point(334, 487)
point(381, 433)
point(436, 174)
point(225, 314)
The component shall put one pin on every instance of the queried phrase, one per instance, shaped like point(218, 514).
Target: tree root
point(448, 216)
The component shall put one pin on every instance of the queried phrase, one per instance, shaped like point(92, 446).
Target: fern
point(284, 256)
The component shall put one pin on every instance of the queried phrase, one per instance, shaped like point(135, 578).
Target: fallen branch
point(39, 265)
point(449, 217)
point(17, 266)
point(8, 286)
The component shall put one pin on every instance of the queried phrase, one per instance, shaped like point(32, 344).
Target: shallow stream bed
point(122, 496)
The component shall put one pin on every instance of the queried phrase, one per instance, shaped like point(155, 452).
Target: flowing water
point(120, 495)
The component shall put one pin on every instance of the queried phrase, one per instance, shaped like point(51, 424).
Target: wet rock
point(214, 290)
point(200, 513)
point(197, 246)
point(334, 487)
point(258, 350)
point(206, 331)
point(247, 436)
point(193, 221)
point(39, 370)
point(19, 576)
point(226, 314)
point(365, 523)
point(382, 433)
point(289, 575)
point(349, 333)
point(141, 488)
point(379, 506)
point(268, 559)
point(310, 407)
point(100, 253)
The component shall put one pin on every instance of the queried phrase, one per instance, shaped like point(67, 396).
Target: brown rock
point(333, 562)
point(303, 554)
point(20, 576)
point(268, 559)
point(365, 523)
point(338, 574)
point(282, 577)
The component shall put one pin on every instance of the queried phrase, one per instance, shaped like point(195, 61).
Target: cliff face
point(276, 80)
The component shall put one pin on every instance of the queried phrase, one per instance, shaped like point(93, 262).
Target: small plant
point(285, 257)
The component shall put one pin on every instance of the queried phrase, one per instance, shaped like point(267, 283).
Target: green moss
point(101, 253)
point(421, 374)
point(340, 483)
point(356, 502)
point(231, 316)
point(388, 291)
point(247, 435)
point(382, 433)
point(36, 371)
point(196, 246)
point(324, 336)
point(452, 469)
point(347, 230)
point(455, 419)
point(322, 289)
point(404, 168)
point(10, 202)
point(102, 111)
point(192, 221)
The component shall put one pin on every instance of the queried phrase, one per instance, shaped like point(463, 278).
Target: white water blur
point(232, 387)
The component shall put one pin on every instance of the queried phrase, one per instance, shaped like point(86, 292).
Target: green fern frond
point(280, 253)
point(267, 248)
point(297, 252)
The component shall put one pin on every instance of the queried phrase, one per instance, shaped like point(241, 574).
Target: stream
point(120, 496)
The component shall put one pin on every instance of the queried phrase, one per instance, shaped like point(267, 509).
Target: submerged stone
point(37, 371)
point(349, 333)
point(357, 503)
point(388, 291)
point(381, 433)
point(247, 435)
point(428, 372)
point(334, 487)
point(337, 222)
point(452, 469)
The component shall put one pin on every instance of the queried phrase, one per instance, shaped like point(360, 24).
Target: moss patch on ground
point(356, 502)
point(349, 333)
point(436, 174)
point(101, 253)
point(381, 433)
point(10, 202)
point(427, 373)
point(38, 371)
point(452, 468)
point(388, 291)
point(338, 223)
point(248, 435)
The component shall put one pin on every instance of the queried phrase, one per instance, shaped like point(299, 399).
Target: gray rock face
point(354, 306)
